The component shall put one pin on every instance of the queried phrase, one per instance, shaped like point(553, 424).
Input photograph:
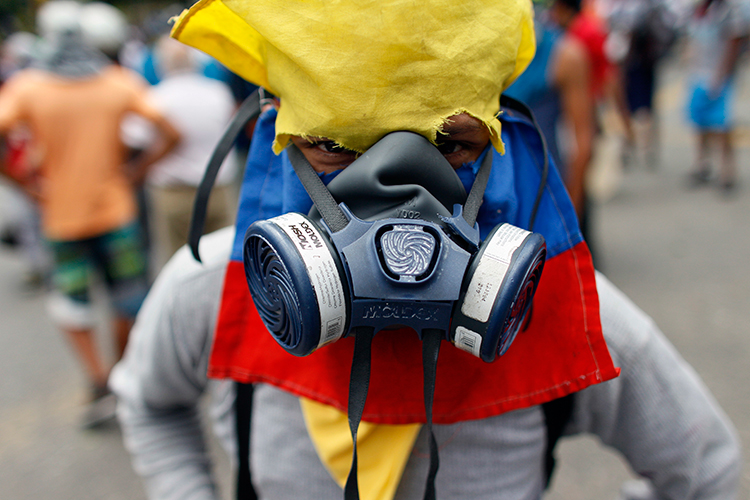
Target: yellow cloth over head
point(352, 72)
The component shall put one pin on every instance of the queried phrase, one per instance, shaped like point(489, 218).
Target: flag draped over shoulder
point(352, 72)
point(561, 351)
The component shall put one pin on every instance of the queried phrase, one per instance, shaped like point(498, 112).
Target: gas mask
point(392, 242)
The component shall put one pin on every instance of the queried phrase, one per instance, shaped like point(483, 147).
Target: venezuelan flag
point(561, 351)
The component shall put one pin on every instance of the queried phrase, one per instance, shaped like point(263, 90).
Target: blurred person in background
point(568, 78)
point(642, 31)
point(22, 221)
point(716, 33)
point(557, 87)
point(73, 101)
point(139, 54)
point(580, 20)
point(200, 108)
point(106, 28)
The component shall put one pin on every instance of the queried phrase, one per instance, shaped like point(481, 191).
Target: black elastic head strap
point(249, 109)
point(522, 108)
point(243, 415)
point(359, 383)
point(476, 195)
point(332, 214)
point(431, 341)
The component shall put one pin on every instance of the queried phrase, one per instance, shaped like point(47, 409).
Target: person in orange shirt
point(73, 102)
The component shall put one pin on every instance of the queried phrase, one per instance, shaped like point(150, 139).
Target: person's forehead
point(463, 123)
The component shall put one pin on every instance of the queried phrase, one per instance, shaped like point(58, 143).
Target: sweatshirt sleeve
point(658, 413)
point(161, 379)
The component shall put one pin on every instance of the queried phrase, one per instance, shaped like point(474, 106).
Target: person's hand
point(715, 88)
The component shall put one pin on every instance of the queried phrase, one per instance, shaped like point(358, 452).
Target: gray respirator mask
point(391, 242)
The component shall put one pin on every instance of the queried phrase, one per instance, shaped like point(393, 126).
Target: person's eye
point(449, 147)
point(332, 147)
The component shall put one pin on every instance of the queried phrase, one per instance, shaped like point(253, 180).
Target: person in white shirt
point(200, 108)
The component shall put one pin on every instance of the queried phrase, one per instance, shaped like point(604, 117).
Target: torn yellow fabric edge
point(211, 27)
point(348, 103)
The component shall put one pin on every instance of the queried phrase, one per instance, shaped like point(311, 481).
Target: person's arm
point(658, 413)
point(11, 116)
point(728, 64)
point(737, 30)
point(162, 377)
point(169, 137)
point(571, 76)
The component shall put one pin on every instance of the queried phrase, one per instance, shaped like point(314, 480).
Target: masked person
point(347, 76)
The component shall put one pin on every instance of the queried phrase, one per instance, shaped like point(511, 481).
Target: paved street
point(680, 254)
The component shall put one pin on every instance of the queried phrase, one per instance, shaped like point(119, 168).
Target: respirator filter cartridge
point(497, 291)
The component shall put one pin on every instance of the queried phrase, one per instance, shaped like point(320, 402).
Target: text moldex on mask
point(313, 284)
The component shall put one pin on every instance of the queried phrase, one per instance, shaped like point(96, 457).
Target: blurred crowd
point(106, 129)
point(592, 82)
point(107, 125)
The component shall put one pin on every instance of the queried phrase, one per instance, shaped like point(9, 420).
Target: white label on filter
point(322, 271)
point(490, 272)
point(468, 341)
